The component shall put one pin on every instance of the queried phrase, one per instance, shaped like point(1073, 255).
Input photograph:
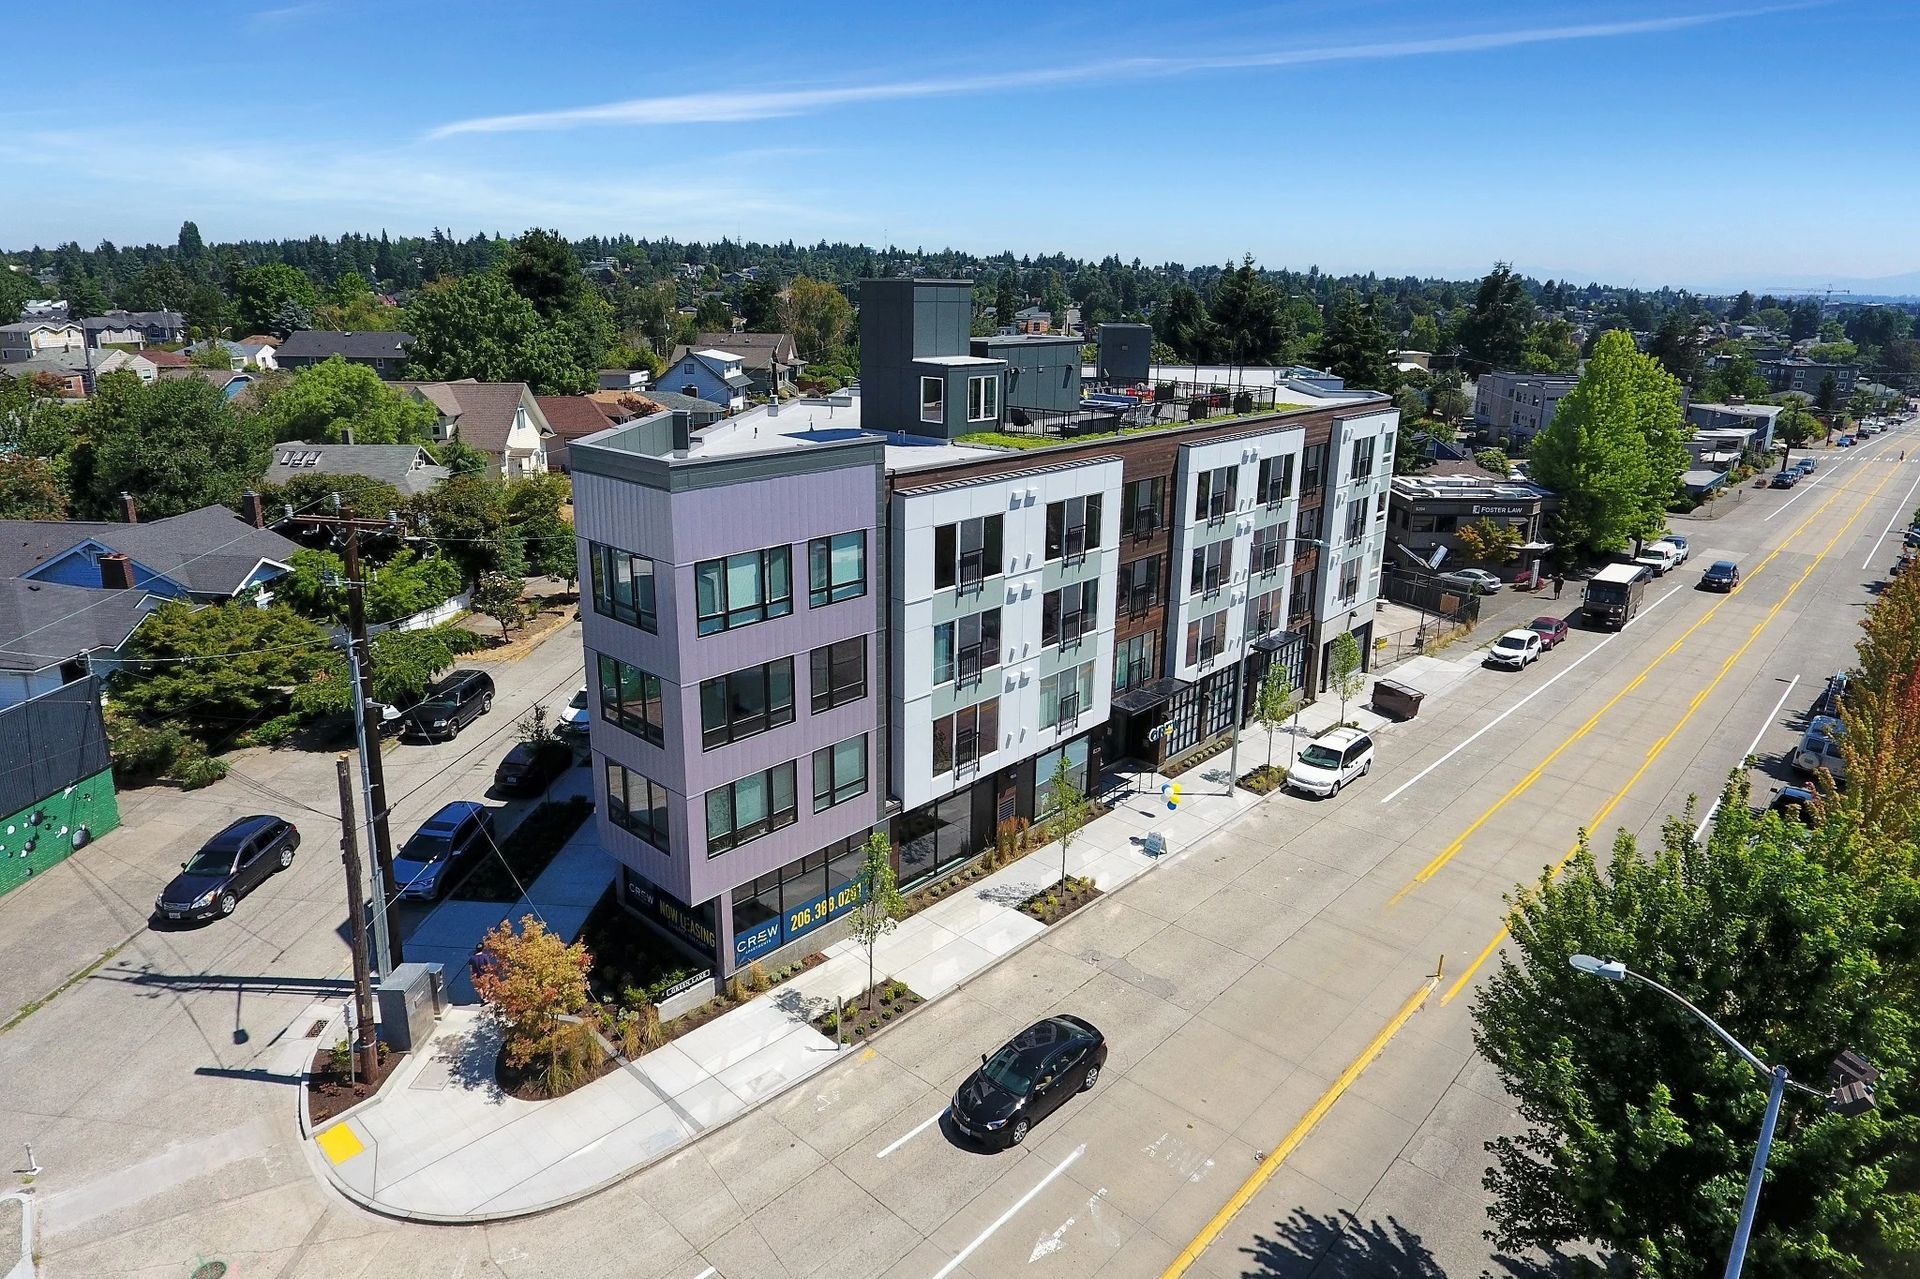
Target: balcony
point(966, 752)
point(968, 665)
point(1069, 712)
point(1072, 627)
point(1140, 600)
point(1146, 522)
point(1073, 544)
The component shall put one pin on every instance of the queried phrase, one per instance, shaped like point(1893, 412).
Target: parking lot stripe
point(1466, 976)
point(1010, 1213)
point(1495, 721)
point(918, 1128)
point(1291, 1142)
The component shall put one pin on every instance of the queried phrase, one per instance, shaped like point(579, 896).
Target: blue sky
point(1657, 141)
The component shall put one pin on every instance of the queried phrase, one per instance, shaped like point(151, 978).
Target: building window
point(1313, 466)
point(741, 812)
point(1350, 579)
point(983, 398)
point(1206, 636)
point(743, 589)
point(1142, 504)
point(746, 702)
point(1214, 493)
point(836, 568)
point(1073, 527)
point(839, 673)
point(967, 553)
point(1065, 696)
point(1356, 521)
point(1069, 613)
point(1140, 584)
point(1363, 453)
point(1275, 484)
point(1133, 661)
point(622, 586)
point(1269, 550)
point(637, 805)
point(839, 772)
point(1263, 612)
point(630, 698)
point(1307, 526)
point(1212, 566)
point(965, 647)
point(933, 399)
point(962, 739)
point(1046, 764)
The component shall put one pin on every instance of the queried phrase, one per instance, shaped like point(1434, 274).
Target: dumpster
point(1396, 700)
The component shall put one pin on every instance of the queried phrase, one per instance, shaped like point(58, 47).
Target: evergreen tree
point(1249, 322)
point(1493, 334)
point(1356, 347)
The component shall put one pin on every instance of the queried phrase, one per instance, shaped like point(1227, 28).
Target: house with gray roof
point(407, 467)
point(134, 328)
point(769, 360)
point(710, 374)
point(383, 351)
point(52, 634)
point(206, 555)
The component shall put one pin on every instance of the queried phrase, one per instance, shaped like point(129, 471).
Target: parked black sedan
point(530, 767)
point(228, 867)
point(1028, 1079)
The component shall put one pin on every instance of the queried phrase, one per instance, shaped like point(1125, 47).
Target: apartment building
point(815, 620)
point(1513, 407)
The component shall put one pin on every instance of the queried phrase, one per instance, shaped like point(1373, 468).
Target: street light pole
point(1777, 1083)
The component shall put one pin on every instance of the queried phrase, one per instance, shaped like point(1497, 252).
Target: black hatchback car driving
point(228, 867)
point(1028, 1079)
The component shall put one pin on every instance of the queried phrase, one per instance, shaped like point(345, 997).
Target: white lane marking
point(918, 1128)
point(1903, 513)
point(1853, 455)
point(1752, 746)
point(1009, 1214)
point(708, 1273)
point(1495, 721)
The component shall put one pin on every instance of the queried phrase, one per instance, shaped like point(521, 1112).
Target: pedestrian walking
point(1559, 583)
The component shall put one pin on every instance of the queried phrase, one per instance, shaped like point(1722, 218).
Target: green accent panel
point(90, 802)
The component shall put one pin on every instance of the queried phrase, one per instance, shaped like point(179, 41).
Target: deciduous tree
point(1274, 704)
point(216, 669)
point(820, 315)
point(478, 327)
point(260, 293)
point(881, 904)
point(30, 489)
point(337, 402)
point(1345, 669)
point(176, 445)
point(535, 984)
point(498, 596)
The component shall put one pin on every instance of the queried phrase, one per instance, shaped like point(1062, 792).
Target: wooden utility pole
point(364, 1046)
point(367, 724)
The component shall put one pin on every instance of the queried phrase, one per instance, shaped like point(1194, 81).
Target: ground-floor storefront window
point(778, 907)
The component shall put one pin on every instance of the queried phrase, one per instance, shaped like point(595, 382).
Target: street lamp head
point(1611, 969)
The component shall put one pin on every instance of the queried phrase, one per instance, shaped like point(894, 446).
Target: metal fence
point(1451, 604)
point(1106, 408)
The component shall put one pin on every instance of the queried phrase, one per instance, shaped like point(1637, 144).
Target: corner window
point(630, 698)
point(746, 702)
point(836, 568)
point(933, 399)
point(839, 773)
point(622, 586)
point(637, 805)
point(983, 398)
point(741, 812)
point(743, 589)
point(839, 673)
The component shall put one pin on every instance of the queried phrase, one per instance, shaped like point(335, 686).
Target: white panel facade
point(1193, 528)
point(1022, 660)
point(1355, 522)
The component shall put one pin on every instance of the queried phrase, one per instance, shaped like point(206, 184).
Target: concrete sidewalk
point(442, 1143)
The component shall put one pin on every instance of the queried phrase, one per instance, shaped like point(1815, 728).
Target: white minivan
point(1330, 761)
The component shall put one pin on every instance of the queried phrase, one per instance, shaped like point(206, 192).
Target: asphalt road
point(1240, 986)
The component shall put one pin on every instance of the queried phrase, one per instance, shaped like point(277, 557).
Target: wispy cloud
point(285, 13)
point(726, 108)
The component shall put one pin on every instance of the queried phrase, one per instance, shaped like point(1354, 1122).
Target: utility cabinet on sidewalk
point(1397, 700)
point(411, 999)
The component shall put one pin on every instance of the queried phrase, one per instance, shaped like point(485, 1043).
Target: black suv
point(454, 703)
point(228, 867)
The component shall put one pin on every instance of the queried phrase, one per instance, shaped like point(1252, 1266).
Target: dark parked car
point(228, 867)
point(1551, 631)
point(1795, 802)
point(1785, 480)
point(529, 767)
point(1721, 575)
point(454, 703)
point(1828, 702)
point(1028, 1079)
point(426, 865)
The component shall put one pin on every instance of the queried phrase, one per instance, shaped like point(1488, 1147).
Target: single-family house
point(52, 634)
point(407, 467)
point(383, 351)
point(206, 555)
point(35, 339)
point(134, 328)
point(54, 377)
point(628, 405)
point(241, 355)
point(501, 419)
point(575, 417)
point(711, 374)
point(231, 382)
point(770, 360)
point(625, 379)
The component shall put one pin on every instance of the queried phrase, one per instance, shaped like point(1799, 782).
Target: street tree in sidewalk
point(1274, 704)
point(1344, 669)
point(1881, 741)
point(1071, 810)
point(535, 984)
point(1795, 429)
point(881, 904)
point(1639, 1125)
